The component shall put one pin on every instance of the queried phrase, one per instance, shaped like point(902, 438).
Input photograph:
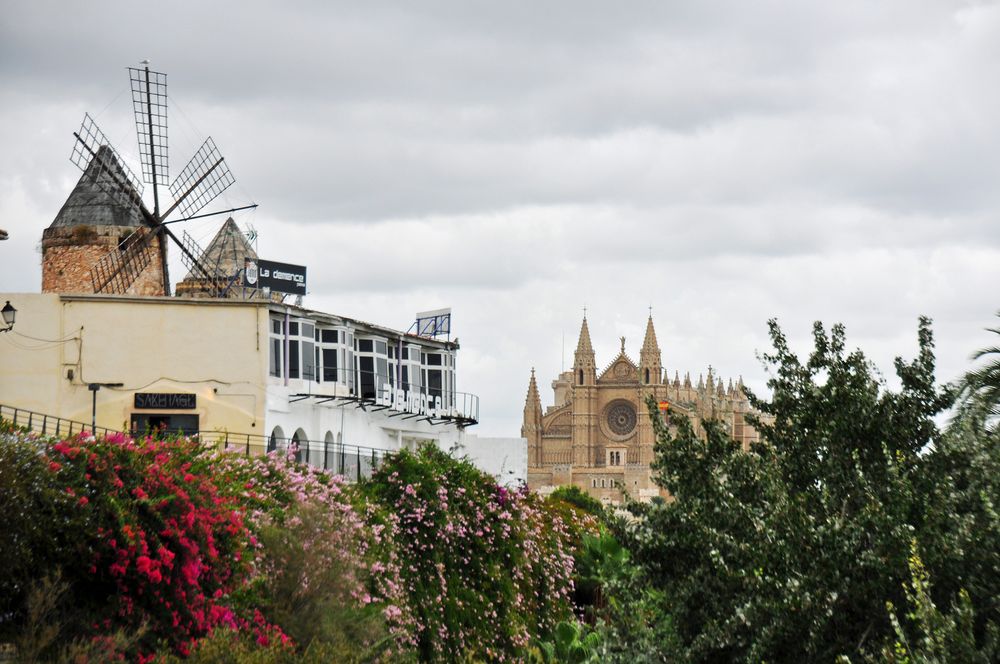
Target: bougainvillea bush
point(173, 540)
point(149, 540)
point(468, 569)
point(146, 548)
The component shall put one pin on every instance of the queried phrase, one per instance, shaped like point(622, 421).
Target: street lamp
point(9, 313)
point(94, 387)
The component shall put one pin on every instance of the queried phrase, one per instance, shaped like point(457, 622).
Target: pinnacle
point(533, 398)
point(584, 345)
point(649, 343)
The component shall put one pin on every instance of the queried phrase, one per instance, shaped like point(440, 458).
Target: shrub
point(468, 569)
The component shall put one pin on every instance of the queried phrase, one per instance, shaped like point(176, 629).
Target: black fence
point(351, 461)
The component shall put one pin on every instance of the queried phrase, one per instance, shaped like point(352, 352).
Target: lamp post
point(9, 314)
point(94, 387)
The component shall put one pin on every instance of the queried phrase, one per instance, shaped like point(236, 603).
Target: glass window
point(364, 345)
point(307, 330)
point(308, 360)
point(366, 371)
point(276, 326)
point(329, 364)
point(434, 383)
point(433, 359)
point(383, 373)
point(293, 359)
point(276, 357)
point(380, 347)
point(293, 329)
point(330, 336)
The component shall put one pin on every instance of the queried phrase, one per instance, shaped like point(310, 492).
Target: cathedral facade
point(598, 435)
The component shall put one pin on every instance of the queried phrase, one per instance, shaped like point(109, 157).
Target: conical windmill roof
point(227, 251)
point(89, 204)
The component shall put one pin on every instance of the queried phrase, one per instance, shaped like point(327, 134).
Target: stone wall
point(69, 254)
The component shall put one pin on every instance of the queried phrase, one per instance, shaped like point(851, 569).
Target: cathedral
point(598, 435)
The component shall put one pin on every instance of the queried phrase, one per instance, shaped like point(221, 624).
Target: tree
point(977, 393)
point(790, 552)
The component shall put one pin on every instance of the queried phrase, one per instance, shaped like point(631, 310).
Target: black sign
point(164, 401)
point(279, 277)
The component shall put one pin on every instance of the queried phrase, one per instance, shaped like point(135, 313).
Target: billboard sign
point(278, 277)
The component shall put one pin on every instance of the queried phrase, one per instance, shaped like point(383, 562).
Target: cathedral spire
point(650, 362)
point(584, 363)
point(531, 427)
point(533, 399)
point(649, 343)
point(584, 345)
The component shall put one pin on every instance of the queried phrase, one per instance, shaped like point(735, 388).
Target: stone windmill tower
point(105, 239)
point(98, 220)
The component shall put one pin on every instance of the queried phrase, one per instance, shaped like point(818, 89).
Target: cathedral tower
point(532, 427)
point(584, 398)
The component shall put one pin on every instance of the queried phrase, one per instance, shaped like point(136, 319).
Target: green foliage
point(571, 643)
point(789, 552)
point(934, 637)
point(38, 519)
point(577, 497)
point(977, 393)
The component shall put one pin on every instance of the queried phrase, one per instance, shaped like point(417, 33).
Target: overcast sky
point(723, 162)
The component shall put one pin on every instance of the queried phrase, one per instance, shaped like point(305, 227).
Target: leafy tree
point(977, 393)
point(935, 636)
point(790, 551)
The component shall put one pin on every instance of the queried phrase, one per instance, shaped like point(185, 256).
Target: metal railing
point(352, 461)
point(47, 425)
point(461, 408)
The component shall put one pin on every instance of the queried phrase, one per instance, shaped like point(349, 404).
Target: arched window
point(299, 441)
point(277, 437)
point(318, 456)
point(330, 447)
point(647, 376)
point(581, 376)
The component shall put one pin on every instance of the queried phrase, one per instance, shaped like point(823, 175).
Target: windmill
point(204, 177)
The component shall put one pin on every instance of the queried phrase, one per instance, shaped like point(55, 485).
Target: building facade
point(598, 434)
point(240, 366)
point(258, 374)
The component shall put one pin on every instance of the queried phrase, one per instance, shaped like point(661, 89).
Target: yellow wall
point(216, 350)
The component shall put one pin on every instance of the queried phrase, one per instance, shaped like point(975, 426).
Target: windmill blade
point(94, 154)
point(191, 255)
point(118, 270)
point(205, 177)
point(149, 105)
point(194, 259)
